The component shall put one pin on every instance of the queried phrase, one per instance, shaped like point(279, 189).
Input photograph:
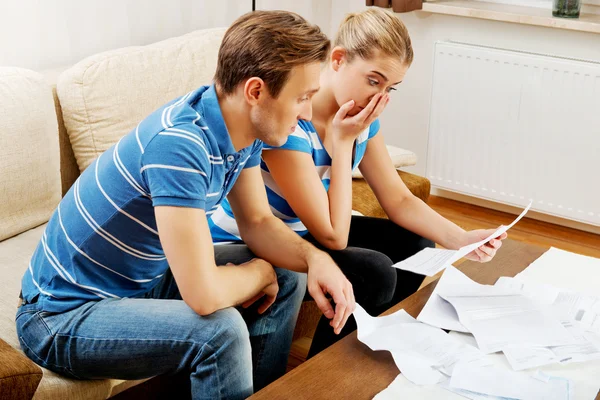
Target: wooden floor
point(472, 217)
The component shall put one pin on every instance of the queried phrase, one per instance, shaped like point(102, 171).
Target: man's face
point(273, 120)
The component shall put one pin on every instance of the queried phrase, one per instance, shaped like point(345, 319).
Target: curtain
point(399, 6)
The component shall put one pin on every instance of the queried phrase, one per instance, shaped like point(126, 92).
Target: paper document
point(499, 318)
point(505, 383)
point(437, 311)
point(566, 270)
point(424, 354)
point(567, 304)
point(431, 261)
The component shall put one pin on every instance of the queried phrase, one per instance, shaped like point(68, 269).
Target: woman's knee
point(423, 243)
point(371, 274)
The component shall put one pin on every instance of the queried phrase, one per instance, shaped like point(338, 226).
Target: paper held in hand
point(431, 261)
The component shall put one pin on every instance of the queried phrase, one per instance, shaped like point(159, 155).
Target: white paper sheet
point(564, 269)
point(500, 319)
point(372, 330)
point(424, 354)
point(505, 383)
point(521, 358)
point(585, 378)
point(578, 313)
point(437, 311)
point(431, 261)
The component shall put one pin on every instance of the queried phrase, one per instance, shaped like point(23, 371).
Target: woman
point(309, 179)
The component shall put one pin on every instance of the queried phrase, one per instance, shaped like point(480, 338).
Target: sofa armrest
point(365, 202)
point(19, 376)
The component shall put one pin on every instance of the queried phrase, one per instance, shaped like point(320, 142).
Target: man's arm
point(206, 288)
point(269, 238)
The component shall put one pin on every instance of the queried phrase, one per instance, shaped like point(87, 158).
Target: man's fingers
point(253, 300)
point(348, 311)
point(341, 304)
point(268, 302)
point(322, 302)
point(340, 310)
point(350, 296)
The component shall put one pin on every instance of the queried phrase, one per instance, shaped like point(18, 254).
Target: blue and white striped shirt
point(304, 139)
point(102, 240)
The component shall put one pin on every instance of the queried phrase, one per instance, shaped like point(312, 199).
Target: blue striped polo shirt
point(304, 139)
point(102, 240)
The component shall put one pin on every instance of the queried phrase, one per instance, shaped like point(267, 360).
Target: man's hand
point(325, 277)
point(269, 292)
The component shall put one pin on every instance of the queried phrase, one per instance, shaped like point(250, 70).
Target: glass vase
point(566, 8)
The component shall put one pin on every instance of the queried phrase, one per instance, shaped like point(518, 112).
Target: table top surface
point(349, 369)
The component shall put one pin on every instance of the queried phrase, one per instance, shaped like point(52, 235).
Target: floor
point(474, 217)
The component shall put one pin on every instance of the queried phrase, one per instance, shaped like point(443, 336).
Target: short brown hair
point(268, 44)
point(374, 29)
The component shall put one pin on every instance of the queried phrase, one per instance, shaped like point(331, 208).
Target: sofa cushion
point(19, 376)
point(14, 258)
point(104, 96)
point(400, 158)
point(30, 185)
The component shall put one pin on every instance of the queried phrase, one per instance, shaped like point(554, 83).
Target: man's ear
point(337, 57)
point(254, 90)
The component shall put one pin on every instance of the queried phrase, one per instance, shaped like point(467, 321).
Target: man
point(125, 282)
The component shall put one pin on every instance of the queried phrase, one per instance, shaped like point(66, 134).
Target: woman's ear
point(337, 57)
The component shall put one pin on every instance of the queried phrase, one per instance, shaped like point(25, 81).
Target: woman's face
point(361, 79)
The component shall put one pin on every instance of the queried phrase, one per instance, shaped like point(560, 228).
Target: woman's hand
point(346, 128)
point(487, 251)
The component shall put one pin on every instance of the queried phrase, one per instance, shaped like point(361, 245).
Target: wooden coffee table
point(350, 370)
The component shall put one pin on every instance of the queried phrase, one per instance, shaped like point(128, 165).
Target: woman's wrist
point(457, 238)
point(343, 144)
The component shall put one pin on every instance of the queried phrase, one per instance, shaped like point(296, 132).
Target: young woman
point(309, 179)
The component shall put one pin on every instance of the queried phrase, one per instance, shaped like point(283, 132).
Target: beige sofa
point(50, 131)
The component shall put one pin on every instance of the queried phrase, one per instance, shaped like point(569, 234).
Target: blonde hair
point(268, 44)
point(374, 29)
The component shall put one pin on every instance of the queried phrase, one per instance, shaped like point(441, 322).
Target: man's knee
point(230, 338)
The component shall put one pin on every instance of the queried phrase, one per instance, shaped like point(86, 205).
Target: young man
point(125, 282)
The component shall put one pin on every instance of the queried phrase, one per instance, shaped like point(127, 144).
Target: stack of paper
point(470, 381)
point(424, 354)
point(499, 317)
point(530, 324)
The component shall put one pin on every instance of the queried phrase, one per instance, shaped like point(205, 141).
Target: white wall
point(44, 34)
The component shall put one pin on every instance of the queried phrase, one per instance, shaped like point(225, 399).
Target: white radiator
point(508, 126)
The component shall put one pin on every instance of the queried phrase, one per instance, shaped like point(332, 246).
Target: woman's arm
point(326, 214)
point(410, 212)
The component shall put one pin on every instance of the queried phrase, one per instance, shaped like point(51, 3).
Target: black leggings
point(374, 245)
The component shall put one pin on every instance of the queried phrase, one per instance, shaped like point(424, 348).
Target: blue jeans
point(228, 354)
